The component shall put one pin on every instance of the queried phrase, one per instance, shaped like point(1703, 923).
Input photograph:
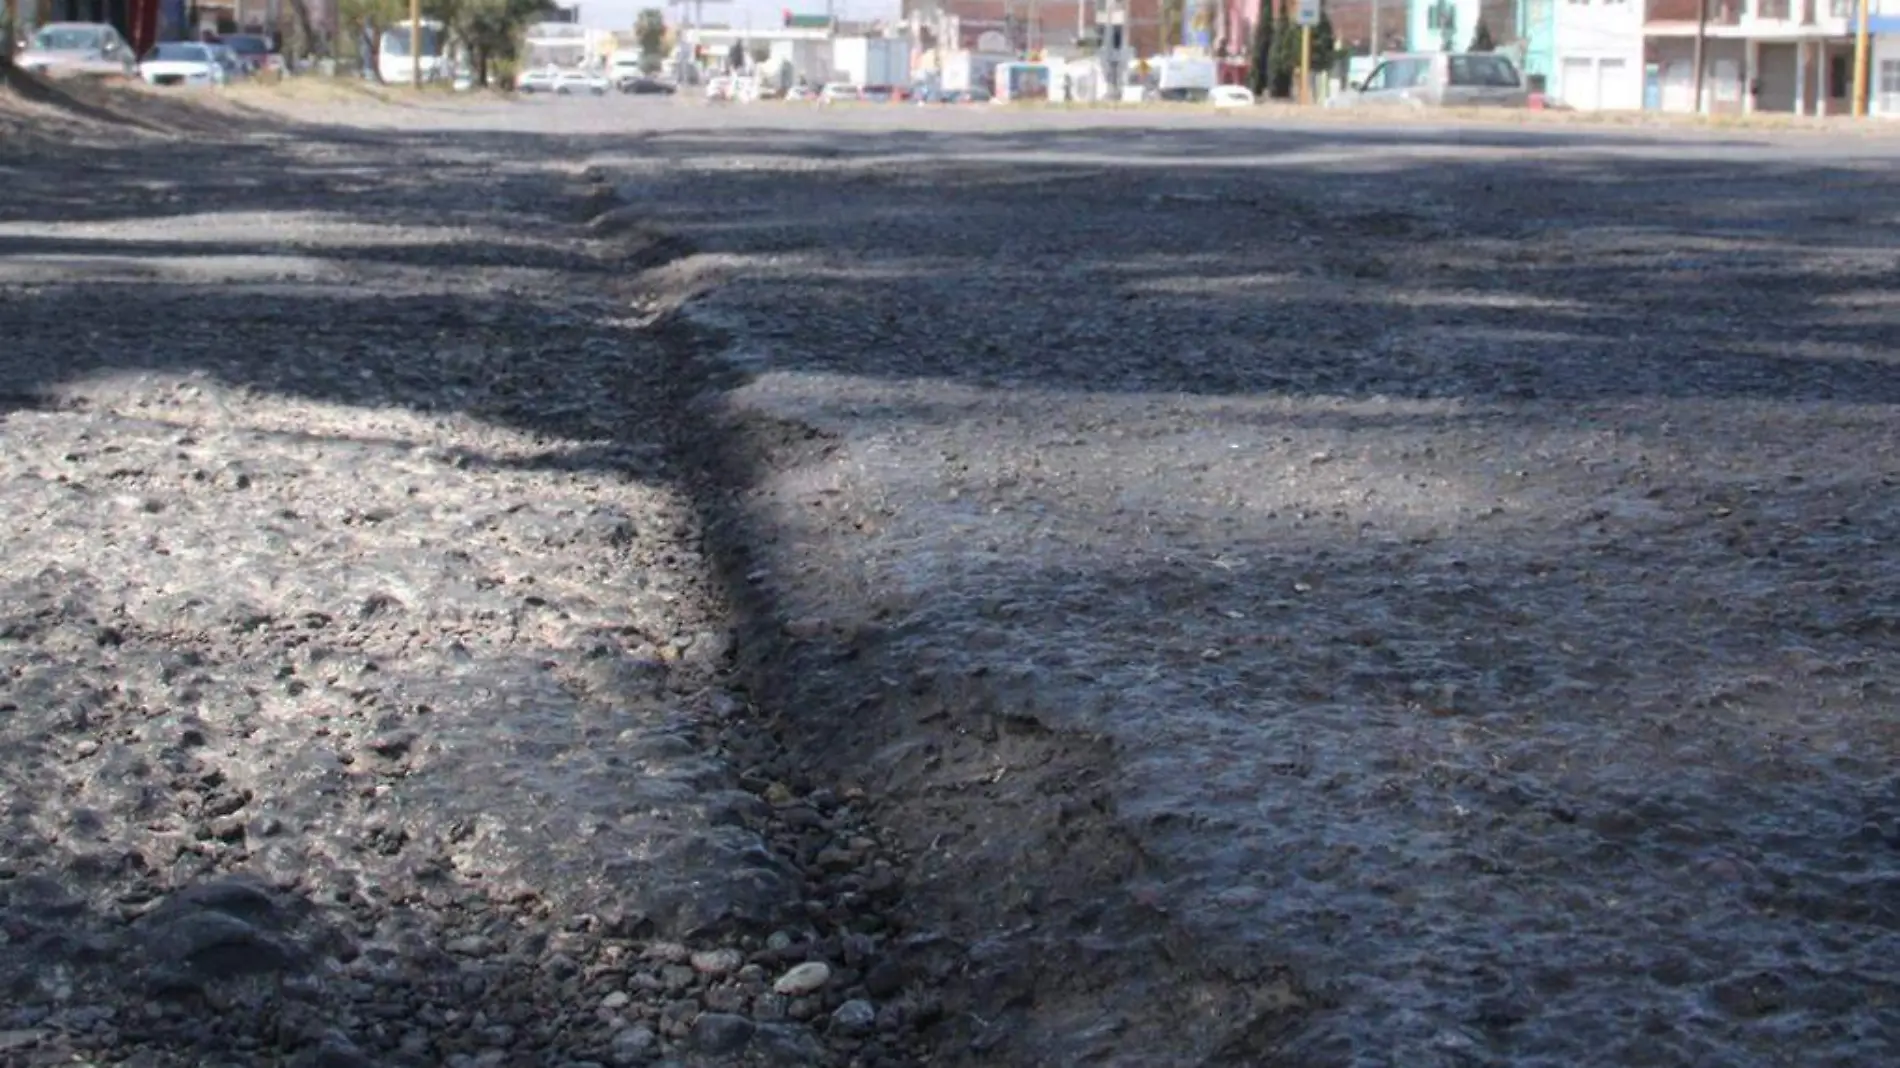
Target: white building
point(1599, 62)
point(792, 54)
point(1788, 56)
point(1883, 90)
point(564, 44)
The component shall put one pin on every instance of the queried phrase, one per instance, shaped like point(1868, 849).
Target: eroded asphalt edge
point(979, 844)
point(1015, 862)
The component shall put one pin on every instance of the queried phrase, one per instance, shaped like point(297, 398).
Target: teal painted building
point(1536, 45)
point(1525, 30)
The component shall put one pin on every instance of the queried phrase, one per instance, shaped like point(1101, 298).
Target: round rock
point(804, 979)
point(718, 962)
point(719, 1033)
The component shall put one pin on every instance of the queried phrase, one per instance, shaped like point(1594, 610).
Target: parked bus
point(393, 62)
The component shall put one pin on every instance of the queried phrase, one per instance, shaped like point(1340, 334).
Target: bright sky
point(619, 14)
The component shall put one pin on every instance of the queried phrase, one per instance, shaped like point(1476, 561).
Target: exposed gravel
point(993, 588)
point(364, 692)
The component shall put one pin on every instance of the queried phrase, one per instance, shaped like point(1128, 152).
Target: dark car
point(644, 86)
point(255, 50)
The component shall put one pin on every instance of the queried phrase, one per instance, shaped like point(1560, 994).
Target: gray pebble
point(769, 1006)
point(721, 1033)
point(677, 977)
point(634, 1045)
point(669, 952)
point(855, 1016)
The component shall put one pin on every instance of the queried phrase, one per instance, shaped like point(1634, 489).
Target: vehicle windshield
point(396, 41)
point(1490, 71)
point(248, 44)
point(69, 39)
point(180, 52)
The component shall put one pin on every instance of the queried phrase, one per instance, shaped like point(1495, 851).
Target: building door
point(1775, 66)
point(1613, 84)
point(1579, 85)
point(1678, 85)
point(1887, 89)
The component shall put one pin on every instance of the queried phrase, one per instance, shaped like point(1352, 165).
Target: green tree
point(490, 30)
point(1325, 45)
point(649, 28)
point(1481, 39)
point(1283, 59)
point(1283, 53)
point(1260, 56)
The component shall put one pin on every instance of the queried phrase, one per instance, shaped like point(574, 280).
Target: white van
point(1438, 80)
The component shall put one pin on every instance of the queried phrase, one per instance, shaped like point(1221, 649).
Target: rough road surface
point(618, 582)
point(1401, 596)
point(363, 679)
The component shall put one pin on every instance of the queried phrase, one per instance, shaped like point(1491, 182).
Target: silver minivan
point(1439, 80)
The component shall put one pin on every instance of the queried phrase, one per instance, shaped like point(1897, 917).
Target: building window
point(1889, 102)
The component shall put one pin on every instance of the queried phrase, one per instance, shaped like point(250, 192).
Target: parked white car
point(537, 81)
point(61, 48)
point(580, 83)
point(183, 63)
point(1231, 96)
point(840, 93)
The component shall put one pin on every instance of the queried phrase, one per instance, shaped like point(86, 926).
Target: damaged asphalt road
point(641, 584)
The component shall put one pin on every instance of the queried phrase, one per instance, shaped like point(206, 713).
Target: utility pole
point(1701, 40)
point(1377, 44)
point(415, 43)
point(1860, 59)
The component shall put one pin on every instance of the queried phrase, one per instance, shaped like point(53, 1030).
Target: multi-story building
point(1792, 56)
point(1884, 88)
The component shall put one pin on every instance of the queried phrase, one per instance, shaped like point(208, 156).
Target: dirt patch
point(39, 115)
